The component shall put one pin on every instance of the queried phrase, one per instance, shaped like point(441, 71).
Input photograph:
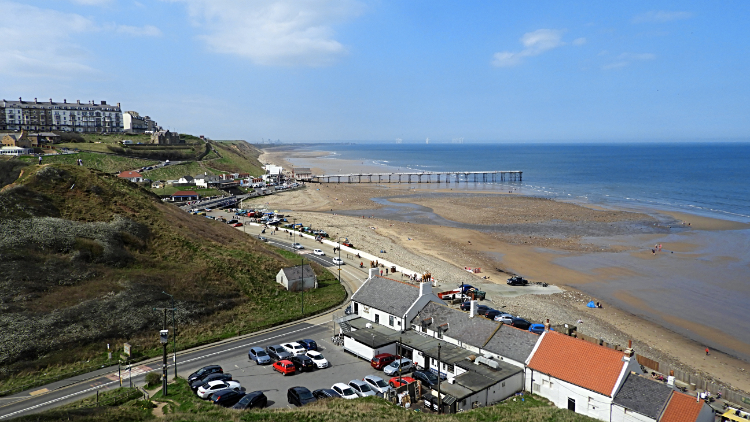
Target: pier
point(423, 177)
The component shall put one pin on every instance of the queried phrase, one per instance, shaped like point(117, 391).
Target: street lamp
point(164, 339)
point(174, 330)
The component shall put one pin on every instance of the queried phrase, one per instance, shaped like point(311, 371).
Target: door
point(377, 318)
point(356, 308)
point(571, 404)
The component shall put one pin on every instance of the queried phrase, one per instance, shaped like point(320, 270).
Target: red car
point(237, 225)
point(395, 382)
point(382, 360)
point(284, 366)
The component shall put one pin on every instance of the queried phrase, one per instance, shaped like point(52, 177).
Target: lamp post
point(174, 334)
point(302, 263)
point(164, 339)
point(440, 400)
point(339, 260)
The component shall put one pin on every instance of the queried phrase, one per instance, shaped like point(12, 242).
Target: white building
point(67, 117)
point(297, 278)
point(132, 122)
point(133, 176)
point(641, 399)
point(16, 151)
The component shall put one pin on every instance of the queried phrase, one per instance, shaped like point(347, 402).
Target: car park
point(302, 363)
point(326, 393)
point(227, 398)
point(427, 377)
point(362, 388)
point(338, 261)
point(213, 386)
point(297, 246)
point(259, 355)
point(382, 360)
point(319, 252)
point(318, 359)
point(344, 391)
point(376, 383)
point(203, 372)
point(404, 364)
point(300, 396)
point(294, 348)
point(308, 343)
point(218, 376)
point(254, 400)
point(396, 382)
point(285, 367)
point(277, 352)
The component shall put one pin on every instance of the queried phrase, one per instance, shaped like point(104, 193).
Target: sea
point(708, 179)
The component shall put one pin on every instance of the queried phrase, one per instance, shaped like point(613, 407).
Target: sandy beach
point(584, 252)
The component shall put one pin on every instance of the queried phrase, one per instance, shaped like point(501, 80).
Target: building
point(132, 122)
point(577, 375)
point(685, 408)
point(133, 176)
point(20, 140)
point(16, 151)
point(302, 173)
point(65, 117)
point(165, 137)
point(297, 278)
point(151, 125)
point(184, 195)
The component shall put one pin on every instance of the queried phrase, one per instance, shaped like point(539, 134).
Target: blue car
point(308, 344)
point(538, 328)
point(259, 355)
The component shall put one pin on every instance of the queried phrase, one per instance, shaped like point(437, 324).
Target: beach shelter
point(591, 304)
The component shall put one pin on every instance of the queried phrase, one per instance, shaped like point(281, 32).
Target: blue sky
point(351, 70)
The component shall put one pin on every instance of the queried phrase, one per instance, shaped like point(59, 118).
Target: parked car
point(254, 400)
point(481, 309)
point(213, 386)
point(521, 323)
point(285, 367)
point(308, 343)
point(505, 319)
point(319, 252)
point(227, 398)
point(299, 396)
point(427, 377)
point(344, 391)
point(276, 352)
point(376, 383)
point(297, 246)
point(259, 355)
point(382, 360)
point(396, 382)
point(338, 261)
point(405, 364)
point(302, 363)
point(237, 225)
point(361, 388)
point(218, 376)
point(233, 221)
point(537, 328)
point(203, 372)
point(493, 313)
point(325, 393)
point(263, 238)
point(318, 359)
point(294, 348)
point(517, 280)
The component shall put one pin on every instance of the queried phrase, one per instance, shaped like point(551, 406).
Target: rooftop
point(682, 408)
point(129, 174)
point(388, 295)
point(513, 343)
point(643, 395)
point(596, 368)
point(475, 331)
point(297, 272)
point(185, 193)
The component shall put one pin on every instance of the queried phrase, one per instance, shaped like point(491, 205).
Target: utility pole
point(164, 339)
point(174, 334)
point(303, 285)
point(399, 360)
point(440, 400)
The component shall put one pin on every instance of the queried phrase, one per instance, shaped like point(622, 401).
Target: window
point(571, 404)
point(377, 318)
point(390, 320)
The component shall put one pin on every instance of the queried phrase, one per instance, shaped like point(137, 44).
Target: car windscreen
point(304, 395)
point(381, 383)
point(316, 357)
point(261, 353)
point(348, 391)
point(431, 377)
point(365, 388)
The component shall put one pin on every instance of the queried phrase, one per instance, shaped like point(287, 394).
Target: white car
point(318, 359)
point(505, 319)
point(344, 391)
point(297, 246)
point(294, 348)
point(338, 261)
point(319, 252)
point(377, 383)
point(204, 391)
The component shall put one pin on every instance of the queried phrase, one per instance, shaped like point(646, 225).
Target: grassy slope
point(237, 156)
point(182, 405)
point(223, 280)
point(104, 162)
point(175, 171)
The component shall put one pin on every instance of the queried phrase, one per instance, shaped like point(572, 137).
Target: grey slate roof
point(295, 273)
point(474, 331)
point(512, 343)
point(387, 295)
point(642, 395)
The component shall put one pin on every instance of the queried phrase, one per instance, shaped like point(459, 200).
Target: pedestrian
point(40, 160)
point(706, 351)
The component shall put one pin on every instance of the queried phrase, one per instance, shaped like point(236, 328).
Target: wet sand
point(660, 299)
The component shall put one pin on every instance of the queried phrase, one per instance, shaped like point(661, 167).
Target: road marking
point(18, 412)
point(135, 371)
point(37, 392)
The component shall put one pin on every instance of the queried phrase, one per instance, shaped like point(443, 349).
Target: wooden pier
point(423, 177)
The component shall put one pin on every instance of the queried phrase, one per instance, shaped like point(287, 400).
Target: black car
point(203, 372)
point(277, 352)
point(299, 396)
point(308, 344)
point(492, 313)
point(520, 323)
point(426, 377)
point(325, 393)
point(481, 309)
point(254, 400)
point(218, 376)
point(227, 398)
point(302, 363)
point(517, 280)
point(233, 221)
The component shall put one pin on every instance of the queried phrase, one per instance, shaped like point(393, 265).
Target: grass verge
point(104, 162)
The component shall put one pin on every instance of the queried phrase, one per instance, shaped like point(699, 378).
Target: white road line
point(17, 412)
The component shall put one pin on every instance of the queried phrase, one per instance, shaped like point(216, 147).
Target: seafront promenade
point(424, 177)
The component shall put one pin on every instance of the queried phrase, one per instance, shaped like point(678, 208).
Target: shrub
point(153, 378)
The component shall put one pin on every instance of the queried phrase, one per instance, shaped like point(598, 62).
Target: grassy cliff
point(86, 256)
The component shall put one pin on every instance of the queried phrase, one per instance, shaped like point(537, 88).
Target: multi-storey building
point(65, 117)
point(134, 122)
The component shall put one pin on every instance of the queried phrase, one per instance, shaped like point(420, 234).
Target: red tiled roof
point(129, 174)
point(681, 408)
point(578, 362)
point(185, 193)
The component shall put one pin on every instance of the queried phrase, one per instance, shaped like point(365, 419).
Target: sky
point(360, 70)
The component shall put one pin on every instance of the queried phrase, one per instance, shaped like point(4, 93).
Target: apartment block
point(81, 117)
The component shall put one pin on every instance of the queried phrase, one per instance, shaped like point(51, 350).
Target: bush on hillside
point(153, 379)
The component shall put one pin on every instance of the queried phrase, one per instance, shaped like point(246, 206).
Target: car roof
point(373, 377)
point(341, 385)
point(314, 352)
point(214, 382)
point(285, 361)
point(357, 382)
point(383, 355)
point(253, 394)
point(300, 388)
point(257, 349)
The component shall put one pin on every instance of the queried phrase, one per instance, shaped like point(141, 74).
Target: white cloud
point(274, 32)
point(656, 16)
point(625, 59)
point(535, 43)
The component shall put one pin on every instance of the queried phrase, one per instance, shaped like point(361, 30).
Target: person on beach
point(706, 351)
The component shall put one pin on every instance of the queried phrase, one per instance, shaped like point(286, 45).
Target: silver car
point(377, 383)
point(361, 388)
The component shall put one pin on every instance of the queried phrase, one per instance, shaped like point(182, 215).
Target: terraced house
point(64, 117)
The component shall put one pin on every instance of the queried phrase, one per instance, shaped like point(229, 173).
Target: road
point(231, 354)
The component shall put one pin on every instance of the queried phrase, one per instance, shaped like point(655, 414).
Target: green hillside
point(87, 255)
point(105, 162)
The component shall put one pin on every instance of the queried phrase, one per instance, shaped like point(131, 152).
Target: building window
point(439, 333)
point(390, 320)
point(377, 318)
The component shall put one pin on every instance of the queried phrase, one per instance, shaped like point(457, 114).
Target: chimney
point(78, 101)
point(50, 100)
point(374, 272)
point(629, 351)
point(35, 101)
point(473, 309)
point(118, 105)
point(425, 289)
point(65, 101)
point(20, 100)
point(104, 103)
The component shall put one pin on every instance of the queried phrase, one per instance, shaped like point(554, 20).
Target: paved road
point(231, 354)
